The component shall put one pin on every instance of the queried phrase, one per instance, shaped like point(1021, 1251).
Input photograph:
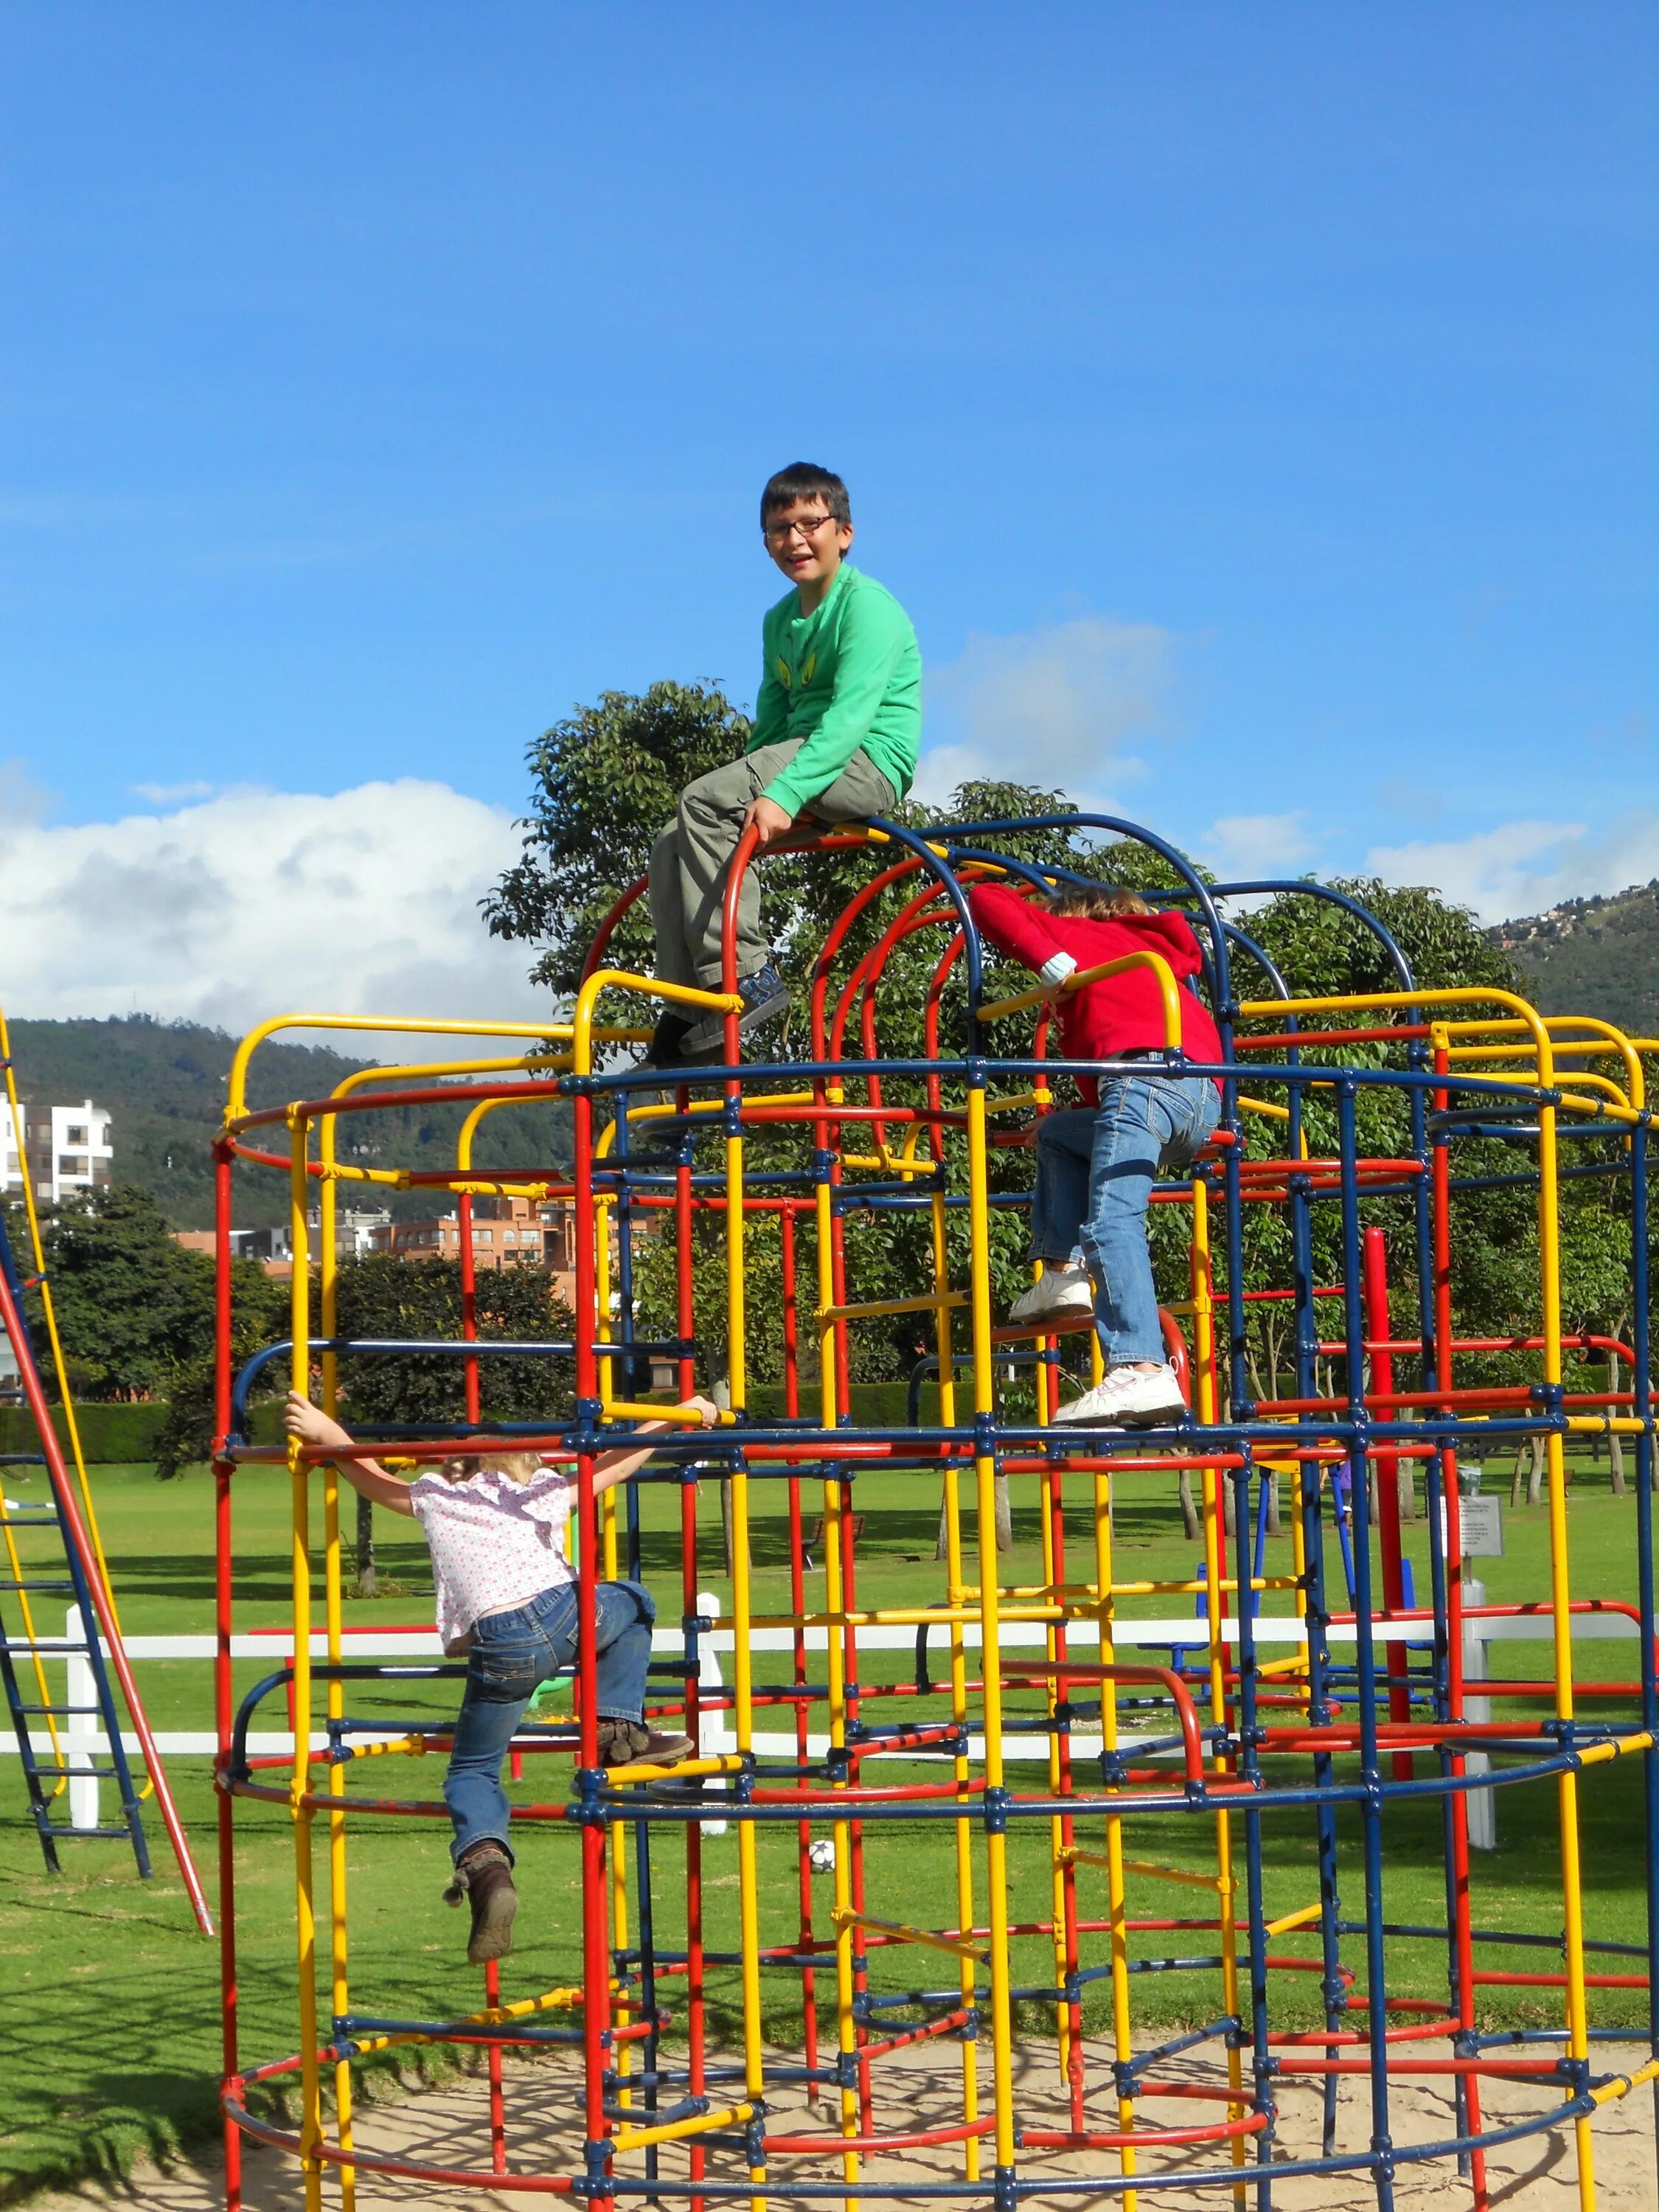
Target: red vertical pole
point(1053, 1499)
point(469, 1303)
point(223, 1705)
point(1374, 1270)
point(75, 1537)
point(497, 2105)
point(798, 1607)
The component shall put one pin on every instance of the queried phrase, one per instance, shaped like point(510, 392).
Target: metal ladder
point(94, 1635)
point(46, 1779)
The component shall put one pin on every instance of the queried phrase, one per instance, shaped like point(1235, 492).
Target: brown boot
point(484, 1876)
point(631, 1743)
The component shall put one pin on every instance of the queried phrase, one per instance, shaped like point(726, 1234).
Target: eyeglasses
point(780, 533)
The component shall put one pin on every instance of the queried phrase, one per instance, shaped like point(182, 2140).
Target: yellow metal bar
point(327, 1274)
point(743, 1681)
point(1152, 1867)
point(582, 1031)
point(717, 1762)
point(377, 1024)
point(996, 1841)
point(310, 2122)
point(958, 1946)
point(927, 1303)
point(950, 1530)
point(1162, 974)
point(1283, 1926)
point(66, 1395)
point(700, 2124)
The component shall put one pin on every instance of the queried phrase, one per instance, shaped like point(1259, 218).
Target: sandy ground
point(449, 2127)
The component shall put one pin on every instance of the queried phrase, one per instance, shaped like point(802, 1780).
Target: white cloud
point(1051, 708)
point(1243, 846)
point(1527, 867)
point(258, 903)
point(170, 794)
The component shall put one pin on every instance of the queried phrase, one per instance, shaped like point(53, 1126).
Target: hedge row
point(126, 1433)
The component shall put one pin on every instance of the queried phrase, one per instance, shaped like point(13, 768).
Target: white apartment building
point(62, 1150)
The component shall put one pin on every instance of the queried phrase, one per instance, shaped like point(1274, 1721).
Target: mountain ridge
point(1592, 955)
point(164, 1084)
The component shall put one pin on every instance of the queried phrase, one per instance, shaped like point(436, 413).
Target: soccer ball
point(822, 1856)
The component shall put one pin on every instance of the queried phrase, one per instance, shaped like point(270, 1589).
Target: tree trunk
point(728, 1530)
point(1514, 1483)
point(721, 1392)
point(1535, 1479)
point(1407, 1489)
point(1275, 1523)
point(365, 1547)
point(1005, 1523)
point(1615, 1443)
point(1189, 1520)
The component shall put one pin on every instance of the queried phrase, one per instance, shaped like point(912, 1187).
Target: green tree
point(134, 1308)
point(380, 1298)
point(604, 780)
point(602, 783)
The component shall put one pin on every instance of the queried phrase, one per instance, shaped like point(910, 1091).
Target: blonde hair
point(517, 1466)
point(1097, 901)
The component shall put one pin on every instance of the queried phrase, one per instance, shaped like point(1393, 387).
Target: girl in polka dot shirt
point(495, 1524)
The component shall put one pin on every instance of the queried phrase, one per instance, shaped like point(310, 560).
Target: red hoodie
point(1121, 1013)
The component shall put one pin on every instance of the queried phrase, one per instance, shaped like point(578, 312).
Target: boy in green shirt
point(837, 726)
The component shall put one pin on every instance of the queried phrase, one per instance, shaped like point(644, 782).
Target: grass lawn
point(111, 2040)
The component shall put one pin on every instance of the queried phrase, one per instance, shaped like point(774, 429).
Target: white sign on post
point(1481, 1521)
point(1482, 1526)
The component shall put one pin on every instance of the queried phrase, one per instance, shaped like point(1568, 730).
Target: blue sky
point(1254, 406)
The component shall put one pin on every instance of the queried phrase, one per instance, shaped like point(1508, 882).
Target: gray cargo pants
point(689, 860)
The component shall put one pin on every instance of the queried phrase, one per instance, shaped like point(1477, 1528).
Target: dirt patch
point(449, 2127)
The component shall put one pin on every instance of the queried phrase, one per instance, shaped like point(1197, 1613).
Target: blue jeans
point(1095, 1171)
point(512, 1655)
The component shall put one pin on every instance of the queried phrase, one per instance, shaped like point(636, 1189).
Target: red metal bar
point(1374, 1270)
point(69, 1511)
point(223, 1693)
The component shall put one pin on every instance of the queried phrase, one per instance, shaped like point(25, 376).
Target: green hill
point(164, 1084)
point(1594, 956)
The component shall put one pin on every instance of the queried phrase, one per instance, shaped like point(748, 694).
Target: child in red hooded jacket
point(1096, 1164)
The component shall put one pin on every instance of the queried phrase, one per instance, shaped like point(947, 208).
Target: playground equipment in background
point(1264, 1717)
point(25, 1578)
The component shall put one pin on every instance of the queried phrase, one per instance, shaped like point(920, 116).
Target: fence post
point(81, 1689)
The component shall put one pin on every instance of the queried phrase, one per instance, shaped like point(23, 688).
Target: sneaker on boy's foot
point(483, 1876)
point(765, 995)
point(1062, 1290)
point(1129, 1398)
point(668, 1040)
point(631, 1743)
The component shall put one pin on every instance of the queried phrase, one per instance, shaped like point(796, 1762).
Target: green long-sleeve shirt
point(847, 675)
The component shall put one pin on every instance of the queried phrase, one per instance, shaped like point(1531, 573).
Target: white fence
point(81, 1747)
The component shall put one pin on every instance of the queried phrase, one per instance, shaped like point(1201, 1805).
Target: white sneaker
point(1129, 1398)
point(1061, 1290)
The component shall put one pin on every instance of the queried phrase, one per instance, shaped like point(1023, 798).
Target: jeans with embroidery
point(1096, 1167)
point(513, 1654)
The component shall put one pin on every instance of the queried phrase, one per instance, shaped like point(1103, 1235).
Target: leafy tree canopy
point(134, 1308)
point(607, 780)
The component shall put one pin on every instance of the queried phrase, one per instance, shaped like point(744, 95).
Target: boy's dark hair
point(805, 480)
